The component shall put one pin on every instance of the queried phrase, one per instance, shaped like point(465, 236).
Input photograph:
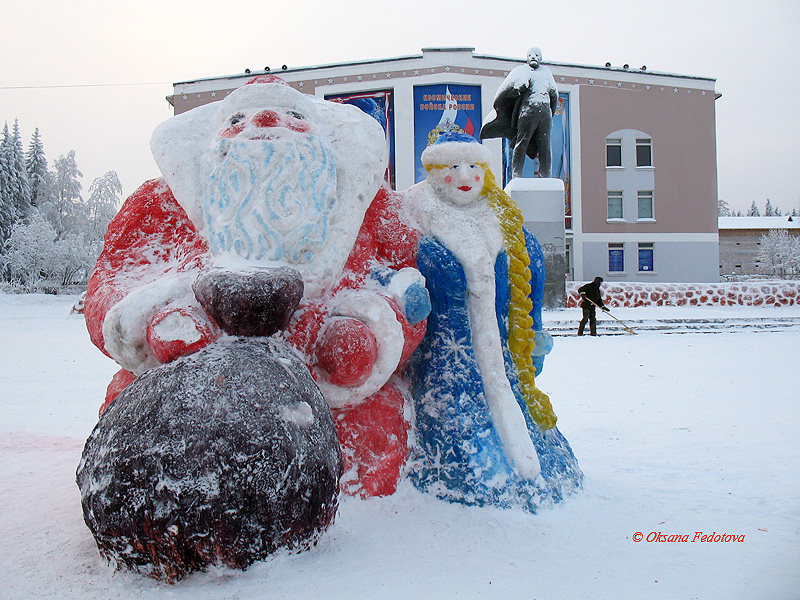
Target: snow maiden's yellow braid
point(520, 324)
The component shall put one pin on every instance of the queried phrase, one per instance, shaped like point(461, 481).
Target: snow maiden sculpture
point(264, 300)
point(485, 433)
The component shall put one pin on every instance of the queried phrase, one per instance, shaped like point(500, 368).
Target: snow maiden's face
point(460, 183)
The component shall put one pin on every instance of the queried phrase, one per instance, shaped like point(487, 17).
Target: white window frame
point(645, 246)
point(616, 246)
point(644, 143)
point(614, 142)
point(645, 195)
point(615, 195)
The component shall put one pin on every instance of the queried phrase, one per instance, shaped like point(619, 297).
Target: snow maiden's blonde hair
point(520, 324)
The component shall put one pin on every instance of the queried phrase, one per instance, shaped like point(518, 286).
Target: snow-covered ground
point(676, 434)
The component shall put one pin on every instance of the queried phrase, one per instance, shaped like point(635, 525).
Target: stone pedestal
point(542, 204)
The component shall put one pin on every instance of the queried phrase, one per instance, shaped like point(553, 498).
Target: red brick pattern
point(754, 293)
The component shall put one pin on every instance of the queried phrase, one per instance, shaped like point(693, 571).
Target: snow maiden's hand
point(407, 288)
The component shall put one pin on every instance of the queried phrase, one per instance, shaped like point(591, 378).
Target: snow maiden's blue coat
point(459, 454)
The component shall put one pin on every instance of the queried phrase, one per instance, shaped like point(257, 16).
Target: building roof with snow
point(766, 223)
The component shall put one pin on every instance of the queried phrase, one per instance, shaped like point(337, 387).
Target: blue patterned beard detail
point(269, 199)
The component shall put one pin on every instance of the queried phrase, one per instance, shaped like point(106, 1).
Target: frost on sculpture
point(271, 219)
point(264, 300)
point(524, 106)
point(485, 433)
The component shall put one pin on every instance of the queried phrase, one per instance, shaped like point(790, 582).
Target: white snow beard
point(269, 199)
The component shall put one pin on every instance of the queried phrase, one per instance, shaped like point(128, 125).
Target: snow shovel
point(624, 326)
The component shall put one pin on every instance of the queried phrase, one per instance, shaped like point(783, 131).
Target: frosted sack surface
point(221, 457)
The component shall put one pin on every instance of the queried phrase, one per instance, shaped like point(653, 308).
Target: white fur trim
point(376, 313)
point(451, 153)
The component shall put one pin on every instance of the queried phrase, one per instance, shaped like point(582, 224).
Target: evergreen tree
point(8, 212)
point(723, 208)
point(753, 212)
point(36, 168)
point(768, 210)
point(22, 189)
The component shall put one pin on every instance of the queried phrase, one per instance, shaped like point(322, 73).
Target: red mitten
point(178, 331)
point(347, 351)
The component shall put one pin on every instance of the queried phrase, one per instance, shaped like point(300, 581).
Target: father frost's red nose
point(267, 118)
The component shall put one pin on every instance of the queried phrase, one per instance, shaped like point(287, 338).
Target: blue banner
point(380, 106)
point(443, 107)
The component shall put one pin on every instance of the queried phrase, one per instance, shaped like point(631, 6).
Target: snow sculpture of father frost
point(271, 176)
point(524, 106)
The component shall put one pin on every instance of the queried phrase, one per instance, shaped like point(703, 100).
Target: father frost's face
point(270, 187)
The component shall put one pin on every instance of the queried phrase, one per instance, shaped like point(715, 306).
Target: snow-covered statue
point(485, 433)
point(271, 219)
point(524, 106)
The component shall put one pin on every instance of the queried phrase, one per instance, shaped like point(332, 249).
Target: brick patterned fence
point(753, 293)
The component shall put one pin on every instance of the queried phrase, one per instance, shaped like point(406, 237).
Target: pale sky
point(93, 75)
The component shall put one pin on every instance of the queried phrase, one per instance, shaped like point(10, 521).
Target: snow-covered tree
point(36, 168)
point(723, 208)
point(753, 212)
point(22, 189)
point(62, 208)
point(103, 203)
point(779, 253)
point(31, 259)
point(8, 212)
point(768, 210)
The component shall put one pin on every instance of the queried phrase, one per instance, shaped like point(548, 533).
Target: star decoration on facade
point(360, 78)
point(476, 71)
point(591, 82)
point(674, 90)
point(447, 69)
point(562, 79)
point(301, 84)
point(703, 93)
point(619, 84)
point(388, 76)
point(416, 71)
point(184, 97)
point(330, 80)
point(213, 94)
point(647, 87)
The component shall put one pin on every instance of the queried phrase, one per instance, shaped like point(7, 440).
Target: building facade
point(636, 149)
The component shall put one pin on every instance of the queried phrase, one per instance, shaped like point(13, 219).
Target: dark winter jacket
point(592, 291)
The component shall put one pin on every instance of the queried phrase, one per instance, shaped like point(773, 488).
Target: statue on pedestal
point(523, 113)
